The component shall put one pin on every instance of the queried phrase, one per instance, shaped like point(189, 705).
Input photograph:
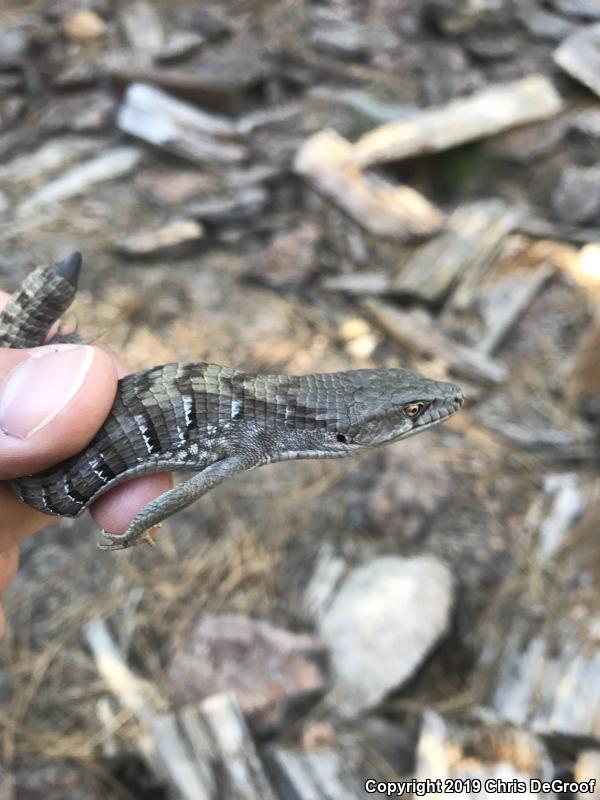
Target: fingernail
point(39, 388)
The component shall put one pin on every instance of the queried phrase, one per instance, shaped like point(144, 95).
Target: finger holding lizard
point(53, 399)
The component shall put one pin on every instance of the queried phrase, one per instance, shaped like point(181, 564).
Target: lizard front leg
point(175, 499)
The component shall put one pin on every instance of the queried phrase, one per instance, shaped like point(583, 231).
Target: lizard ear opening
point(341, 438)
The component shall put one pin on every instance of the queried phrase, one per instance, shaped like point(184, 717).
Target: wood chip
point(174, 235)
point(471, 241)
point(112, 163)
point(417, 331)
point(176, 126)
point(192, 750)
point(143, 27)
point(488, 112)
point(507, 302)
point(327, 161)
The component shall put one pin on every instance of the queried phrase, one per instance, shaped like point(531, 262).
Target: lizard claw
point(123, 541)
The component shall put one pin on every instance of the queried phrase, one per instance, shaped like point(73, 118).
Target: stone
point(290, 259)
point(493, 46)
point(382, 622)
point(11, 109)
point(580, 9)
point(13, 47)
point(576, 199)
point(584, 136)
point(526, 143)
point(55, 780)
point(579, 56)
point(210, 25)
point(542, 24)
point(84, 24)
point(271, 670)
point(392, 502)
point(82, 112)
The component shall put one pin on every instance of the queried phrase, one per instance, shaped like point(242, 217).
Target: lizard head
point(391, 404)
point(368, 408)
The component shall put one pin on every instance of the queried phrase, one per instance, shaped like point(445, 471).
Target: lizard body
point(209, 419)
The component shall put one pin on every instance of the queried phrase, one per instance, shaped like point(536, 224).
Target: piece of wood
point(416, 331)
point(314, 775)
point(111, 164)
point(360, 283)
point(470, 242)
point(507, 302)
point(142, 26)
point(485, 113)
point(179, 127)
point(539, 436)
point(240, 765)
point(167, 752)
point(327, 161)
point(485, 749)
point(539, 228)
point(190, 748)
point(543, 657)
point(579, 55)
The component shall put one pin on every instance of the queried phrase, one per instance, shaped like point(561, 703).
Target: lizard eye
point(341, 438)
point(413, 410)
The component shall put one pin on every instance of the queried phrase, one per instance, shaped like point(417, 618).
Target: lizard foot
point(123, 541)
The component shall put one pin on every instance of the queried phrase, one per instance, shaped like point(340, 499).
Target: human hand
point(53, 399)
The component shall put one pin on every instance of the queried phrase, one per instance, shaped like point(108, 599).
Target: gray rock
point(210, 25)
point(289, 260)
point(576, 199)
point(393, 504)
point(13, 46)
point(83, 112)
point(579, 56)
point(382, 622)
point(493, 46)
point(581, 9)
point(542, 24)
point(269, 669)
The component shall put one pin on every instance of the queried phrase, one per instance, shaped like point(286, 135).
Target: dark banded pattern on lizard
point(212, 420)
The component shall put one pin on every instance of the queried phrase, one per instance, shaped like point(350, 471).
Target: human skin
point(53, 399)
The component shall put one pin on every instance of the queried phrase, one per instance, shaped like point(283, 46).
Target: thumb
point(53, 399)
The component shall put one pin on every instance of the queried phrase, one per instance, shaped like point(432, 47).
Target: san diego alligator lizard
point(210, 419)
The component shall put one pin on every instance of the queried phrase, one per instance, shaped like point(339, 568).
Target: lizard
point(213, 420)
